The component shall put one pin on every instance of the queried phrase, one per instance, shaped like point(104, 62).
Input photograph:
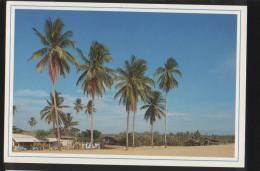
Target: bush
point(85, 135)
point(42, 134)
point(178, 139)
point(17, 130)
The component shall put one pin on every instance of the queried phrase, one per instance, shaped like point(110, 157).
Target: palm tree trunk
point(56, 116)
point(92, 126)
point(152, 134)
point(127, 128)
point(165, 122)
point(55, 132)
point(91, 130)
point(133, 130)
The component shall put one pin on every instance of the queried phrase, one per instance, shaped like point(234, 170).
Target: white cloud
point(31, 93)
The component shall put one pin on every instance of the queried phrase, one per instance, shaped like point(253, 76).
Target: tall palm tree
point(54, 105)
point(167, 81)
point(69, 125)
point(154, 109)
point(95, 76)
point(78, 106)
point(32, 122)
point(54, 54)
point(132, 84)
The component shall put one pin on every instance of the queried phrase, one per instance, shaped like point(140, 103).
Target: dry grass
point(199, 151)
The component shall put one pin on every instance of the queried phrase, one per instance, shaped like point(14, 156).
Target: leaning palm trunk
point(56, 116)
point(152, 135)
point(133, 130)
point(165, 122)
point(127, 128)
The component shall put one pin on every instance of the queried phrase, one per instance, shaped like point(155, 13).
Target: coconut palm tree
point(69, 125)
point(32, 122)
point(95, 76)
point(154, 109)
point(54, 105)
point(167, 81)
point(78, 106)
point(54, 54)
point(132, 85)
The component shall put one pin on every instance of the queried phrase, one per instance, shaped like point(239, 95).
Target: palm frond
point(43, 62)
point(43, 39)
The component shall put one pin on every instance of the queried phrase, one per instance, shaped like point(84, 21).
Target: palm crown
point(69, 125)
point(95, 76)
point(53, 54)
point(68, 121)
point(78, 106)
point(48, 112)
point(132, 83)
point(166, 74)
point(154, 107)
point(90, 109)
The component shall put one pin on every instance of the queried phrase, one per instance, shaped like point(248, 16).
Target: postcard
point(125, 84)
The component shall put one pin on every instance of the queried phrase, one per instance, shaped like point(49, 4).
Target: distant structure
point(29, 142)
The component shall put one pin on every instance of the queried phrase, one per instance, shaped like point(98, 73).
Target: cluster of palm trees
point(131, 81)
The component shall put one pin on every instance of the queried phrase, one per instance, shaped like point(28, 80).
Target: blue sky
point(204, 45)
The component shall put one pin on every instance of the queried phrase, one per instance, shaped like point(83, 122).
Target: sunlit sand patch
point(199, 151)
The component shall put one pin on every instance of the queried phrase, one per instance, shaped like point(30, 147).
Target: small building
point(27, 142)
point(23, 142)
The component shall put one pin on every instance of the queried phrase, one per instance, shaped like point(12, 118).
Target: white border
point(237, 161)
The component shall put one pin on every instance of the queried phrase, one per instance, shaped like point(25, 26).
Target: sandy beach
point(199, 151)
